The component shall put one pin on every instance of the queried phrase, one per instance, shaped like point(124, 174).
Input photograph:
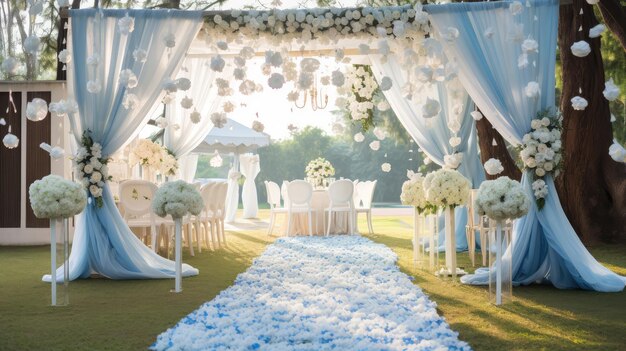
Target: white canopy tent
point(233, 139)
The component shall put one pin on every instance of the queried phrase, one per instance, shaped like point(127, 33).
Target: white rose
point(540, 172)
point(88, 169)
point(96, 177)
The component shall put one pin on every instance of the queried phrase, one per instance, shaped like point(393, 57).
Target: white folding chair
point(273, 199)
point(365, 196)
point(340, 194)
point(300, 194)
point(207, 217)
point(136, 202)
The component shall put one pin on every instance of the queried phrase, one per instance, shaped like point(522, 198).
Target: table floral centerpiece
point(318, 170)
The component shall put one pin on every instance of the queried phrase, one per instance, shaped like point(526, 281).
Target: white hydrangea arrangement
point(154, 156)
point(177, 199)
point(320, 168)
point(358, 90)
point(413, 193)
point(541, 151)
point(502, 198)
point(447, 188)
point(90, 167)
point(55, 197)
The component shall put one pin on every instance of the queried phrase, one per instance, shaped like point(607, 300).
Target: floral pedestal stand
point(62, 300)
point(418, 239)
point(450, 269)
point(178, 284)
point(500, 270)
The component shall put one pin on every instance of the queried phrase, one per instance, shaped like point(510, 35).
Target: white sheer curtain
point(103, 243)
point(232, 194)
point(187, 166)
point(182, 135)
point(250, 168)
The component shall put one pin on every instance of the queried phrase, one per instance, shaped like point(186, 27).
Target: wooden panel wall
point(10, 163)
point(37, 159)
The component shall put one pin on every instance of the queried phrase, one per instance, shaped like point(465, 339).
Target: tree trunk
point(61, 37)
point(614, 16)
point(487, 134)
point(592, 188)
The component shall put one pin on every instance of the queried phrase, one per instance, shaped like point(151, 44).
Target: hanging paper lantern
point(31, 44)
point(36, 110)
point(9, 65)
point(611, 91)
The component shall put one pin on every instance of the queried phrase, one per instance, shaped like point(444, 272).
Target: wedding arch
point(500, 55)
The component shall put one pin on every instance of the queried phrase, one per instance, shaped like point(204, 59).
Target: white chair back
point(136, 197)
point(299, 193)
point(366, 192)
point(284, 193)
point(220, 198)
point(208, 195)
point(273, 194)
point(340, 192)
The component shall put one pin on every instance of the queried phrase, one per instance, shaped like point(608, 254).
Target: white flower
point(228, 107)
point(9, 65)
point(93, 60)
point(431, 108)
point(359, 137)
point(383, 106)
point(169, 85)
point(96, 177)
point(94, 86)
point(454, 141)
point(130, 101)
point(502, 199)
point(186, 102)
point(386, 167)
point(379, 133)
point(222, 45)
point(493, 166)
point(258, 126)
point(140, 55)
point(128, 78)
point(532, 90)
point(579, 103)
point(611, 91)
point(218, 119)
point(183, 84)
point(580, 48)
point(293, 96)
point(309, 65)
point(375, 145)
point(216, 161)
point(617, 152)
point(55, 197)
point(273, 58)
point(596, 31)
point(540, 172)
point(88, 169)
point(530, 45)
point(338, 78)
point(452, 161)
point(126, 25)
point(31, 44)
point(195, 117)
point(217, 63)
point(522, 60)
point(276, 81)
point(386, 83)
point(55, 152)
point(247, 87)
point(516, 8)
point(65, 56)
point(476, 115)
point(36, 110)
point(170, 40)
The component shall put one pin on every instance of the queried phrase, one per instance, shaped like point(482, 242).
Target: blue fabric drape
point(103, 243)
point(433, 135)
point(545, 246)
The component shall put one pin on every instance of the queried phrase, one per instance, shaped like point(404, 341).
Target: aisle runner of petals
point(303, 293)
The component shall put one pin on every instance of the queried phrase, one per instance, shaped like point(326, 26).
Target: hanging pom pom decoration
point(10, 140)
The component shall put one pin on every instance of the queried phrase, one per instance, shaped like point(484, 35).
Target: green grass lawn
point(128, 315)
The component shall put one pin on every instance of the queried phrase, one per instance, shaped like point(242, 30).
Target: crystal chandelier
point(319, 101)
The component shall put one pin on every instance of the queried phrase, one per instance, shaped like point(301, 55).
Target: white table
point(319, 203)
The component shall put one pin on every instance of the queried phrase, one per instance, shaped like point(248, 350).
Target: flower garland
point(91, 168)
point(320, 168)
point(541, 152)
